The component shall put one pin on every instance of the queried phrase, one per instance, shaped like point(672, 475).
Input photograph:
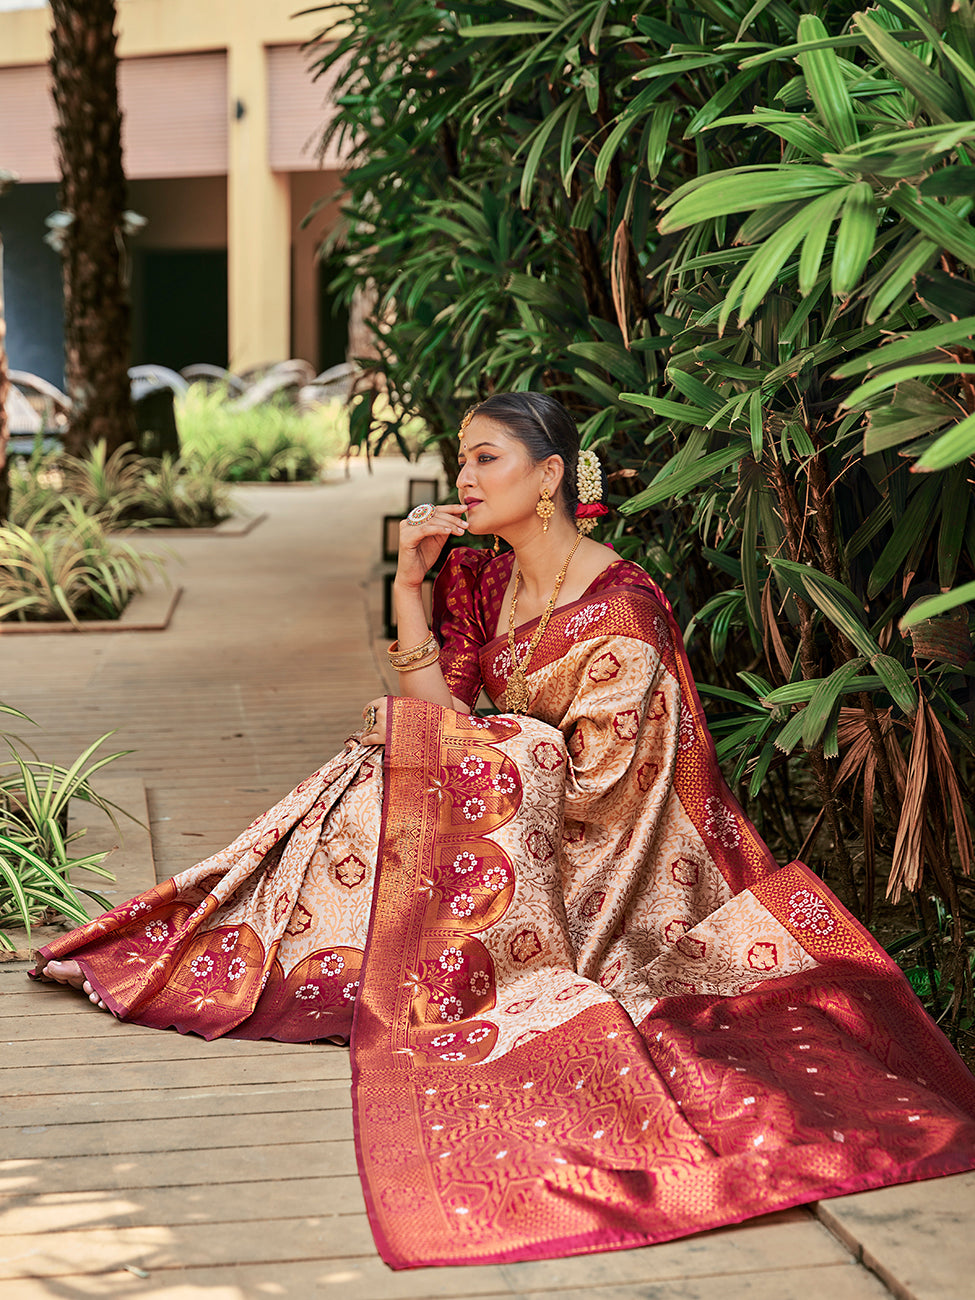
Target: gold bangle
point(402, 658)
point(396, 650)
point(424, 663)
point(412, 659)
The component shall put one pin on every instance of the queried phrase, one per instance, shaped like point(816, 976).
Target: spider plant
point(123, 490)
point(186, 493)
point(35, 866)
point(110, 487)
point(69, 569)
point(35, 487)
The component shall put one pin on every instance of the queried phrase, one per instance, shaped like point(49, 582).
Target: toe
point(94, 997)
point(63, 972)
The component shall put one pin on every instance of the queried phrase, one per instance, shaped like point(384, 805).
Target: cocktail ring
point(369, 717)
point(420, 514)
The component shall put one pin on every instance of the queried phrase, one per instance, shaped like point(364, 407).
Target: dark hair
point(544, 428)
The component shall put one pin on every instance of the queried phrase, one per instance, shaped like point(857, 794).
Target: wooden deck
point(138, 1163)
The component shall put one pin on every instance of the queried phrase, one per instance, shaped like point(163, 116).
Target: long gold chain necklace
point(516, 693)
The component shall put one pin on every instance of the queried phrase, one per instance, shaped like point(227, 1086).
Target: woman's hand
point(374, 723)
point(420, 544)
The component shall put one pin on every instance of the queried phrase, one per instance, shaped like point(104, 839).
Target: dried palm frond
point(907, 865)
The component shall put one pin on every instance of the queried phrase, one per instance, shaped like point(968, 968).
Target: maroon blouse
point(467, 600)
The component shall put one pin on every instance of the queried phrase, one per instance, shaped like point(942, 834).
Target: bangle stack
point(420, 656)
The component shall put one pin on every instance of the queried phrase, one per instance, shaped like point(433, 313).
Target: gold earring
point(545, 508)
point(496, 548)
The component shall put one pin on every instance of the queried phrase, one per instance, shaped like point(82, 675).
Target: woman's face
point(498, 481)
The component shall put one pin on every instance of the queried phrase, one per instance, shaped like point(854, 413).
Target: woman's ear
point(553, 471)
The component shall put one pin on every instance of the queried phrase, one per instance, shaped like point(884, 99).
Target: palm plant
point(6, 180)
point(857, 258)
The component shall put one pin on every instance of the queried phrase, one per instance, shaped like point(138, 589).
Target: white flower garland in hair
point(589, 484)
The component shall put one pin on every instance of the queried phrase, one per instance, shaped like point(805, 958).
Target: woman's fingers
point(374, 723)
point(443, 520)
point(420, 544)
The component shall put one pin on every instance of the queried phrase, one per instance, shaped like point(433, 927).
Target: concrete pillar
point(258, 219)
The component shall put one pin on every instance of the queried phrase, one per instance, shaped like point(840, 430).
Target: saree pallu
point(590, 1011)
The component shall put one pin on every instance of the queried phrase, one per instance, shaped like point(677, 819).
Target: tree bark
point(97, 324)
point(4, 388)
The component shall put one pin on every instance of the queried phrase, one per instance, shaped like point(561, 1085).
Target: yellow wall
point(172, 26)
point(259, 202)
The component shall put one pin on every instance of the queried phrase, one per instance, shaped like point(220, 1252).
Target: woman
point(587, 1010)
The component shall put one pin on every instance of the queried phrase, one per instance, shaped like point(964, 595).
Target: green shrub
point(270, 443)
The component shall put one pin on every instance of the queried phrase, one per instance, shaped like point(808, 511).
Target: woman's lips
point(471, 502)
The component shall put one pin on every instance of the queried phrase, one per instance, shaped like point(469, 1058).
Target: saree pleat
point(590, 1010)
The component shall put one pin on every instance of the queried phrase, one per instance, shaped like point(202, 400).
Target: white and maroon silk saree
point(589, 1009)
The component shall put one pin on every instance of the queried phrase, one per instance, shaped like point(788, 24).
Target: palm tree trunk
point(97, 326)
point(4, 388)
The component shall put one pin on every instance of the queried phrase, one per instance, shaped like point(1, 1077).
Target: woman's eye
point(484, 460)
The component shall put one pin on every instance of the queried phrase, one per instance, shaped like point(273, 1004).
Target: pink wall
point(174, 117)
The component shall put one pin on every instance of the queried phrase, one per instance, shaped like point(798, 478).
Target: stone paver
point(139, 1163)
point(917, 1237)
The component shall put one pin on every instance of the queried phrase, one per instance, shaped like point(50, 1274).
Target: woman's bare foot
point(69, 972)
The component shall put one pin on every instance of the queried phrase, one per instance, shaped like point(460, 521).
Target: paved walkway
point(138, 1163)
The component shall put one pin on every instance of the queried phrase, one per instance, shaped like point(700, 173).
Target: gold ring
point(369, 717)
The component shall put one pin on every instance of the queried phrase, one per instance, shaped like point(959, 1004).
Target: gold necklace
point(516, 693)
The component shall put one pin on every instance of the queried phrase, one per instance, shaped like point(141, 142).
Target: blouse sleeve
point(456, 623)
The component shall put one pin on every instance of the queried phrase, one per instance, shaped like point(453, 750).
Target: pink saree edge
point(120, 1013)
point(601, 1242)
point(383, 1246)
point(735, 873)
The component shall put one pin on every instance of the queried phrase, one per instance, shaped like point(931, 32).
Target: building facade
point(221, 131)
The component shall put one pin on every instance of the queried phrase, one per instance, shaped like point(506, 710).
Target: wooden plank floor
point(140, 1163)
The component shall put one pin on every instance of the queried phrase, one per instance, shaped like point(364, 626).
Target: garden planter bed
point(150, 611)
point(236, 525)
point(282, 483)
